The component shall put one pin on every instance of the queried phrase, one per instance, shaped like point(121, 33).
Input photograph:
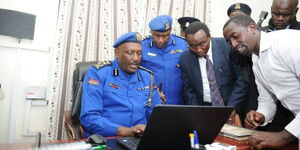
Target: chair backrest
point(78, 77)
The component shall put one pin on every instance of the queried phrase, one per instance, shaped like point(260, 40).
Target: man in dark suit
point(197, 90)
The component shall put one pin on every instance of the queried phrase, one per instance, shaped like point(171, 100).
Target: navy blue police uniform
point(113, 98)
point(164, 62)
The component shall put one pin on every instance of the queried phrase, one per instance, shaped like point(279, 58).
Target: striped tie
point(215, 95)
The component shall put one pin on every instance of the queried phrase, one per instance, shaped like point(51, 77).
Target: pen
point(192, 140)
point(196, 140)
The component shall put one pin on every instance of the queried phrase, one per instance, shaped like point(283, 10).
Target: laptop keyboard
point(129, 143)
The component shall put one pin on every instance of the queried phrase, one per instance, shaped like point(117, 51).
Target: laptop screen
point(169, 126)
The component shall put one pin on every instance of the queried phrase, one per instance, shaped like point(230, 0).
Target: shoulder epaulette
point(148, 70)
point(102, 64)
point(179, 36)
point(147, 37)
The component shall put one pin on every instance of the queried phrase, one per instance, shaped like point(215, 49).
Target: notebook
point(237, 133)
point(169, 127)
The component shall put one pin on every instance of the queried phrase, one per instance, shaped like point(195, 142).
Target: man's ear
point(296, 11)
point(252, 27)
point(117, 51)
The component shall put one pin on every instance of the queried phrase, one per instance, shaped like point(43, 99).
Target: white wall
point(25, 64)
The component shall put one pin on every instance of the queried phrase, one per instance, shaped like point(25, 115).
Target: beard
point(244, 50)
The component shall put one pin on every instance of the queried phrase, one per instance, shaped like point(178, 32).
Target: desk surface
point(241, 145)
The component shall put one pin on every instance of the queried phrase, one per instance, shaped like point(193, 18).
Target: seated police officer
point(118, 96)
point(184, 23)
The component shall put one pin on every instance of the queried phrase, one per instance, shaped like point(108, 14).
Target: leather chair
point(72, 122)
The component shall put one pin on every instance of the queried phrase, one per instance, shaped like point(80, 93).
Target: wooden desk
point(241, 145)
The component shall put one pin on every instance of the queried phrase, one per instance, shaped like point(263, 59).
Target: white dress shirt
point(205, 83)
point(277, 75)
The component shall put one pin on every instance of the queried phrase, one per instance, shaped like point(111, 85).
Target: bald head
point(285, 3)
point(283, 13)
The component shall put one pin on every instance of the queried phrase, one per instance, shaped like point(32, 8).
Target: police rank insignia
point(237, 6)
point(138, 37)
point(176, 51)
point(100, 65)
point(114, 85)
point(93, 81)
point(167, 26)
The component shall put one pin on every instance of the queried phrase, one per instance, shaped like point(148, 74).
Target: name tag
point(176, 51)
point(151, 54)
point(142, 88)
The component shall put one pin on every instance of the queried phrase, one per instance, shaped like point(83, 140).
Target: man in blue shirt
point(118, 96)
point(161, 52)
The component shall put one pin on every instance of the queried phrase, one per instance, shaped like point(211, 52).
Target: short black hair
point(241, 20)
point(195, 27)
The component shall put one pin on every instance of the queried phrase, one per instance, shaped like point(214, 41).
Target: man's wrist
point(124, 131)
point(287, 136)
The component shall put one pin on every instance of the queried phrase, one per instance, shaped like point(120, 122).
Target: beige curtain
point(86, 30)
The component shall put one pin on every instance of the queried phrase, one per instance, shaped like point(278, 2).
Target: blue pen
point(196, 140)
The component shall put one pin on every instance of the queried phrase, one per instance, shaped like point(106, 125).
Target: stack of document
point(234, 132)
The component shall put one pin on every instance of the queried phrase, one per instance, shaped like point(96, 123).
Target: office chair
point(72, 123)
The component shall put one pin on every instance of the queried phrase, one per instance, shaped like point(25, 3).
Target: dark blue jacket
point(232, 85)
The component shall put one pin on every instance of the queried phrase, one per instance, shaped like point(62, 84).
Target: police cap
point(239, 7)
point(186, 21)
point(128, 37)
point(161, 23)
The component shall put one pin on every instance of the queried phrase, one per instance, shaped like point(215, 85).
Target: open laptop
point(169, 127)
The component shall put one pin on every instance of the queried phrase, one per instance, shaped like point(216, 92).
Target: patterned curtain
point(86, 30)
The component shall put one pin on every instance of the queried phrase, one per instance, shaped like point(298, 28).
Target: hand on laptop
point(133, 131)
point(254, 119)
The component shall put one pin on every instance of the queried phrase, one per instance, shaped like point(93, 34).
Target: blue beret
point(161, 23)
point(239, 7)
point(128, 37)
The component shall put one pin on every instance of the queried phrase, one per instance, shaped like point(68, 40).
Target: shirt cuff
point(268, 116)
point(112, 130)
point(268, 110)
point(293, 127)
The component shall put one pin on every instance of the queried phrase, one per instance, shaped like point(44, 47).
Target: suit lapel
point(217, 58)
point(196, 72)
